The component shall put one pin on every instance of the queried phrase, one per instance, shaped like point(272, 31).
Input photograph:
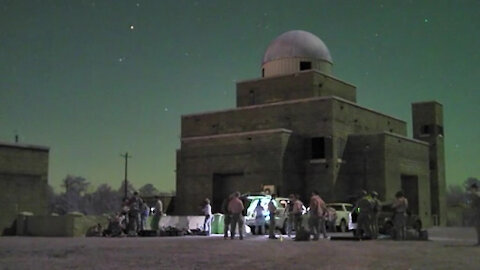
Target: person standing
point(134, 213)
point(332, 219)
point(207, 211)
point(377, 207)
point(227, 216)
point(318, 212)
point(235, 207)
point(272, 209)
point(157, 214)
point(400, 206)
point(145, 212)
point(290, 215)
point(297, 212)
point(364, 209)
point(259, 212)
point(125, 212)
point(475, 204)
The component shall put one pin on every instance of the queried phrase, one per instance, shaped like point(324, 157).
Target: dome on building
point(298, 44)
point(296, 51)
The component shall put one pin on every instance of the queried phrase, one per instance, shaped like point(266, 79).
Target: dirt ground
point(449, 248)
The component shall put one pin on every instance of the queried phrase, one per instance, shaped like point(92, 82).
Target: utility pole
point(126, 156)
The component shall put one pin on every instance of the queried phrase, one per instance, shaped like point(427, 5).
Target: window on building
point(440, 130)
point(425, 129)
point(252, 97)
point(318, 147)
point(304, 65)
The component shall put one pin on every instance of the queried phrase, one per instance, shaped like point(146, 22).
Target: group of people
point(368, 208)
point(132, 219)
point(233, 208)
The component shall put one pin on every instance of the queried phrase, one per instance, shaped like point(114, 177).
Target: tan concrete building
point(23, 181)
point(298, 129)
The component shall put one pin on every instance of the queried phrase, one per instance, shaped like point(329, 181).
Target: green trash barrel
point(217, 223)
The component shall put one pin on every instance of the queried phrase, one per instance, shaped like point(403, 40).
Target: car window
point(349, 208)
point(336, 207)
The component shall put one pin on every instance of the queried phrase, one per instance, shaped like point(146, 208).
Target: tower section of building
point(427, 118)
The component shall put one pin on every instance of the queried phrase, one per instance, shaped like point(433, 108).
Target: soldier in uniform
point(377, 207)
point(227, 216)
point(400, 206)
point(134, 213)
point(364, 207)
point(475, 203)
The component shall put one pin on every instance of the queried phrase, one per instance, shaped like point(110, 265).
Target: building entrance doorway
point(410, 188)
point(223, 186)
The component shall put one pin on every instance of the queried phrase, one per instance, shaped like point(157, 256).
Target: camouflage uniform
point(134, 214)
point(365, 213)
point(227, 217)
point(377, 207)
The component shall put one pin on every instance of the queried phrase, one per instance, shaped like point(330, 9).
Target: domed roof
point(297, 43)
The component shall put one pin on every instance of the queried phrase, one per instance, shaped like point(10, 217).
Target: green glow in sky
point(93, 79)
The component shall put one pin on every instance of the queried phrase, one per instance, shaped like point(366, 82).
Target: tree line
point(457, 195)
point(78, 196)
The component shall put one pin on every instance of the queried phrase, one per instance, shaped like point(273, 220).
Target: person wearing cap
point(475, 204)
point(400, 206)
point(377, 207)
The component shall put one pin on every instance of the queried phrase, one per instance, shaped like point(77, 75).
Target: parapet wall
point(57, 226)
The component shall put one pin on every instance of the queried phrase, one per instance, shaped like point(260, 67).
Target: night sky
point(94, 79)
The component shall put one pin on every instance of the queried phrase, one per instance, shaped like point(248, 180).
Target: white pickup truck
point(343, 215)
